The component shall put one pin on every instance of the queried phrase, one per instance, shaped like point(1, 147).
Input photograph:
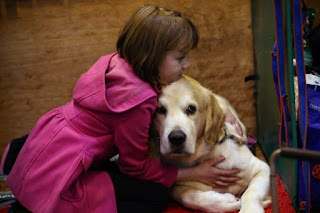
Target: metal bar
point(273, 180)
point(301, 154)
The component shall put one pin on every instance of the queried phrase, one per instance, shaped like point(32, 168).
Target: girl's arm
point(131, 139)
point(207, 173)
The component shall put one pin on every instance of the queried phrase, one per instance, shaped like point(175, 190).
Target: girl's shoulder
point(124, 89)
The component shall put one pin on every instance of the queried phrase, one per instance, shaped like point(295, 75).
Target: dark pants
point(135, 195)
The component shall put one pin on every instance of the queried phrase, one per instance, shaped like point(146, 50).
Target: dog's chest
point(231, 151)
point(236, 156)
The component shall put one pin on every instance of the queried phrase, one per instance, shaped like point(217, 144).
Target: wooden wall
point(45, 45)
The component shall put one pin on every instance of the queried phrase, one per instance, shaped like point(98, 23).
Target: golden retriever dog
point(192, 125)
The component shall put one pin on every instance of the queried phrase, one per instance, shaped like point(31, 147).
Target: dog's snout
point(177, 137)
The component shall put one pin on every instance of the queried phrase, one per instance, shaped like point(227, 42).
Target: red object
point(285, 204)
point(316, 171)
point(4, 209)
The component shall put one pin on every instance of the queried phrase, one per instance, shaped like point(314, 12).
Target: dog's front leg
point(208, 201)
point(254, 198)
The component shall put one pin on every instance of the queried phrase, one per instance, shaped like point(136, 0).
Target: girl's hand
point(207, 173)
point(211, 175)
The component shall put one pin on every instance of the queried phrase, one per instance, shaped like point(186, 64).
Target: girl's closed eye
point(181, 57)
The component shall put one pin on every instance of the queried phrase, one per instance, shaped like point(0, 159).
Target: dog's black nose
point(177, 137)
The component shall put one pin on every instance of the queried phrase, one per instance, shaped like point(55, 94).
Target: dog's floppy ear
point(215, 119)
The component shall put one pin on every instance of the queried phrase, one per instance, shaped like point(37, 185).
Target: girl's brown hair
point(149, 33)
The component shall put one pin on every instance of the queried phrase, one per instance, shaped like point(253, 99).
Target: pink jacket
point(110, 113)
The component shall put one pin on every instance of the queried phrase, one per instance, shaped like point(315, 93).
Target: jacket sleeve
point(131, 139)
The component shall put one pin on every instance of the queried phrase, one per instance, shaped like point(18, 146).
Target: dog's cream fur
point(187, 108)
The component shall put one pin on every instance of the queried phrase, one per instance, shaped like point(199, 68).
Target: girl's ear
point(215, 119)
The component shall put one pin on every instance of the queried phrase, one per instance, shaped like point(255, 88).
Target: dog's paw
point(215, 202)
point(252, 208)
point(250, 203)
point(229, 198)
point(224, 207)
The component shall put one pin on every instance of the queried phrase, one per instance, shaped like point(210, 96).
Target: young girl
point(59, 166)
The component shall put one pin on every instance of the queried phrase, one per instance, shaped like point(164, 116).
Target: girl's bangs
point(185, 38)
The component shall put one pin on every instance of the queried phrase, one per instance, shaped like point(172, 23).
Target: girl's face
point(172, 66)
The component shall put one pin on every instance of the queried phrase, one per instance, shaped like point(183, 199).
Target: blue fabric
point(298, 37)
point(299, 16)
point(311, 179)
point(278, 71)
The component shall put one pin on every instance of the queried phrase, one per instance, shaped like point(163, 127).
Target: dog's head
point(187, 113)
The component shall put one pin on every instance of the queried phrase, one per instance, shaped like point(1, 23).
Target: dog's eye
point(191, 110)
point(161, 110)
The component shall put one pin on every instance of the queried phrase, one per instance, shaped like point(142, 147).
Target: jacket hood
point(110, 85)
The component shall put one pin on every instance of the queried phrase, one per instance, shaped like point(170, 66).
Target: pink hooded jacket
point(111, 112)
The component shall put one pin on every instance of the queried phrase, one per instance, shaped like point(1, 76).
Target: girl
point(59, 166)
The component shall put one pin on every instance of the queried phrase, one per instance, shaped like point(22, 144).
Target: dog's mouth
point(177, 159)
point(178, 152)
